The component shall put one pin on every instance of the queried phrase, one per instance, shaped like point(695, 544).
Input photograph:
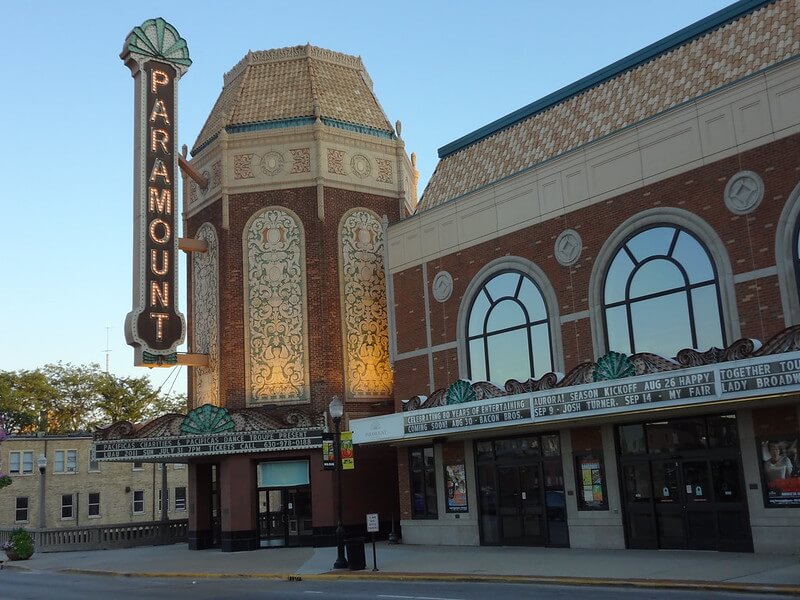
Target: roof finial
point(398, 127)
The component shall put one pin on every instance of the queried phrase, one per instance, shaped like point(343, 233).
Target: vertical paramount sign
point(157, 57)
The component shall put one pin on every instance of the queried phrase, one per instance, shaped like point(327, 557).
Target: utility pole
point(107, 350)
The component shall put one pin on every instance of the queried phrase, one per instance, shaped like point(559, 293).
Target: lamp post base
point(341, 561)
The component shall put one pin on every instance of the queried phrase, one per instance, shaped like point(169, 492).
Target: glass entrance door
point(284, 517)
point(682, 485)
point(522, 492)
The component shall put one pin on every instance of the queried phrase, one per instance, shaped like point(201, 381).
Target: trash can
point(356, 559)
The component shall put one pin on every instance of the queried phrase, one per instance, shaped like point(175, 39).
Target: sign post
point(373, 526)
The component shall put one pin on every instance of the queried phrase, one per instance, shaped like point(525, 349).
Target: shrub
point(20, 543)
point(5, 480)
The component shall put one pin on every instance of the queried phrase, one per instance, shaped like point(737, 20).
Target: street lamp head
point(336, 408)
point(42, 462)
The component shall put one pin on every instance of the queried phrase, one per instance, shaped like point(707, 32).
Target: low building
point(597, 308)
point(80, 492)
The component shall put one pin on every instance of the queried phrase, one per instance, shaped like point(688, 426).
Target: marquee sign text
point(182, 447)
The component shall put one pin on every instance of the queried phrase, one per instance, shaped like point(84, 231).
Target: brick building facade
point(624, 226)
point(80, 492)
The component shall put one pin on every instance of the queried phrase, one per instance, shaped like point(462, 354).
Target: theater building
point(296, 174)
point(596, 328)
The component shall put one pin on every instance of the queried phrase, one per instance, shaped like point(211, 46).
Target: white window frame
point(137, 466)
point(21, 461)
point(134, 502)
point(68, 463)
point(94, 465)
point(179, 466)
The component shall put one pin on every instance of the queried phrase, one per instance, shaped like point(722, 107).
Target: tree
point(65, 398)
point(26, 397)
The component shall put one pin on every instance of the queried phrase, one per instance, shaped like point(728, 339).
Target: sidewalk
point(648, 568)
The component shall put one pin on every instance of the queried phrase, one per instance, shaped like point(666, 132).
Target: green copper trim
point(140, 42)
point(159, 359)
point(297, 122)
point(613, 365)
point(207, 419)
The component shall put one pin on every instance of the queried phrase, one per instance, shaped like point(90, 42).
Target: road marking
point(416, 597)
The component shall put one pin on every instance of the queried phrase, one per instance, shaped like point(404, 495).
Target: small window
point(159, 501)
point(423, 483)
point(180, 498)
point(14, 463)
point(66, 461)
point(138, 502)
point(67, 503)
point(21, 515)
point(138, 466)
point(179, 466)
point(94, 504)
point(20, 463)
point(27, 462)
point(94, 465)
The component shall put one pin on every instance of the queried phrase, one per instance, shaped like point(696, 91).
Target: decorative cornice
point(261, 57)
point(643, 363)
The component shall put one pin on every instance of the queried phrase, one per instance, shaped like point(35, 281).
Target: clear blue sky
point(443, 68)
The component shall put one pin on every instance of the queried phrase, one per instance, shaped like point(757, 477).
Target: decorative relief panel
point(272, 163)
point(568, 247)
point(216, 174)
point(301, 160)
point(364, 316)
point(442, 286)
point(205, 317)
point(336, 161)
point(384, 170)
point(360, 166)
point(243, 166)
point(744, 192)
point(192, 192)
point(276, 304)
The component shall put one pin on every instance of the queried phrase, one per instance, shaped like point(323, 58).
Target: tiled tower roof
point(291, 86)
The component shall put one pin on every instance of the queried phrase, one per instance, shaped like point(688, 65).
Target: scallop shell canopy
point(155, 38)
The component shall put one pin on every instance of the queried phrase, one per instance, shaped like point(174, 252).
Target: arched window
point(508, 330)
point(661, 294)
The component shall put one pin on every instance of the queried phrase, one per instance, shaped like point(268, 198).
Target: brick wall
point(322, 281)
point(749, 241)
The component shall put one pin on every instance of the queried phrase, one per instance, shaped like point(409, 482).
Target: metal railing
point(104, 537)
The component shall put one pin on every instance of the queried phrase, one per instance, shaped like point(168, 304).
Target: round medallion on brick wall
point(568, 247)
point(360, 165)
point(272, 163)
point(744, 192)
point(442, 286)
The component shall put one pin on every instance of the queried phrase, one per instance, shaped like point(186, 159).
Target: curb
point(668, 584)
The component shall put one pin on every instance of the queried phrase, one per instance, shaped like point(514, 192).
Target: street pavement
point(647, 568)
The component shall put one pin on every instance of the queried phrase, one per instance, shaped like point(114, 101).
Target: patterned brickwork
point(326, 366)
point(747, 45)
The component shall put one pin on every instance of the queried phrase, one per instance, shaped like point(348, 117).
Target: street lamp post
point(42, 463)
point(336, 410)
